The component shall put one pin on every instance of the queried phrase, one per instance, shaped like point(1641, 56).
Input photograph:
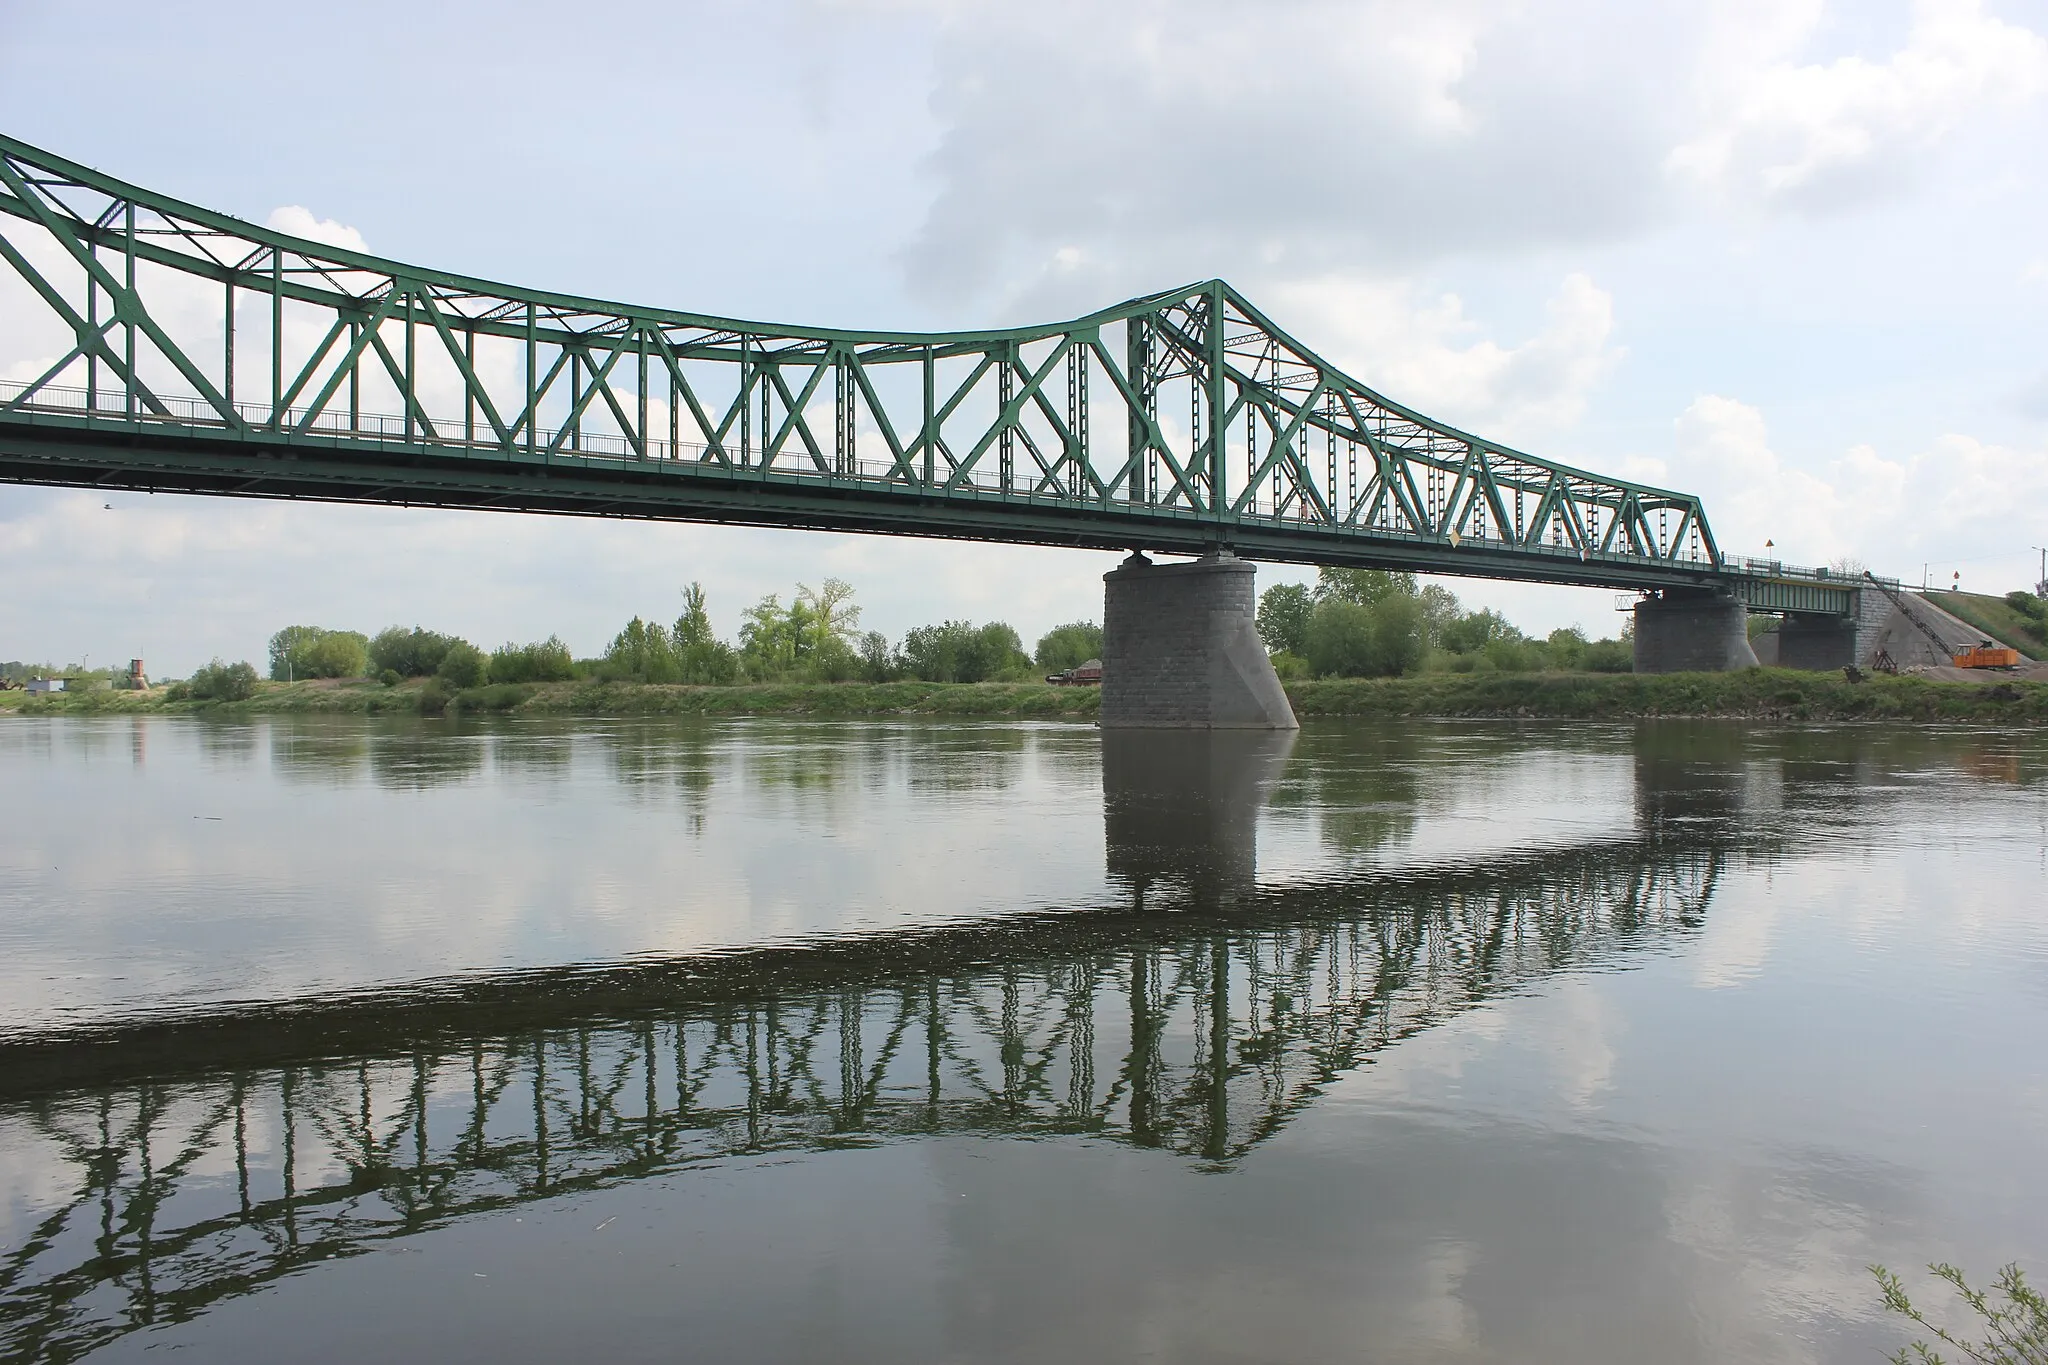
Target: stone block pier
point(1181, 649)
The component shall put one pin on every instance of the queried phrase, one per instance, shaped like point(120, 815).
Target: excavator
point(1983, 654)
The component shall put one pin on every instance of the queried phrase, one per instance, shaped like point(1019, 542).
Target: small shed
point(38, 686)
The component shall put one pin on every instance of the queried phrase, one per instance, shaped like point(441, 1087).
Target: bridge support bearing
point(1181, 649)
point(1685, 631)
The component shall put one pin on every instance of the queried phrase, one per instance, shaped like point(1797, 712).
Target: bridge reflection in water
point(209, 1157)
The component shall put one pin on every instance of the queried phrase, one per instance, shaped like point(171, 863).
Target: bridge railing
point(574, 444)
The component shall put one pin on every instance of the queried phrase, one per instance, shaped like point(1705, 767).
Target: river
point(331, 1039)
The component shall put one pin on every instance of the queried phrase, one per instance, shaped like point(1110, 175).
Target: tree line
point(1350, 623)
point(1365, 623)
point(816, 637)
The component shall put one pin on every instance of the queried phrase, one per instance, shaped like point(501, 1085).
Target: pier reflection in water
point(1196, 1011)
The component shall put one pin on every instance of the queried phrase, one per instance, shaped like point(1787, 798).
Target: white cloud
point(1948, 502)
point(1813, 134)
point(303, 222)
point(1429, 355)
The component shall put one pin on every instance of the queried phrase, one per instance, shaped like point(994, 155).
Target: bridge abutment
point(1687, 631)
point(1181, 649)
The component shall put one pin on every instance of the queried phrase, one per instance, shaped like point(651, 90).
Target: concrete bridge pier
point(1691, 630)
point(1181, 648)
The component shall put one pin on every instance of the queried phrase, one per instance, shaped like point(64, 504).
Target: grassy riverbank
point(1757, 694)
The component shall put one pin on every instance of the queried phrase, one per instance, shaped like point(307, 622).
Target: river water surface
point(329, 1039)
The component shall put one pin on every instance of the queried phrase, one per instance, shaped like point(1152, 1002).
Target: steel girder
point(190, 351)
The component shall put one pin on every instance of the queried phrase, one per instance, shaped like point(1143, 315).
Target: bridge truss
point(203, 1178)
point(183, 350)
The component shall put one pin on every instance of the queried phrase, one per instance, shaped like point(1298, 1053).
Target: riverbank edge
point(1769, 694)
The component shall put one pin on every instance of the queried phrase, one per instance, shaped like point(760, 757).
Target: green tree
point(1472, 632)
point(643, 652)
point(830, 615)
point(1366, 587)
point(542, 661)
point(876, 665)
point(1567, 646)
point(462, 665)
point(314, 652)
point(1340, 639)
point(1398, 635)
point(224, 682)
point(1347, 639)
point(769, 637)
point(693, 627)
point(414, 653)
point(1439, 608)
point(1284, 611)
point(1068, 646)
point(959, 651)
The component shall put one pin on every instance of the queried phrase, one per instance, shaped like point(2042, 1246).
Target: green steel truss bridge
point(212, 1158)
point(186, 351)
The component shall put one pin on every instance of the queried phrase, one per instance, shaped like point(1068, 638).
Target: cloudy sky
point(1789, 255)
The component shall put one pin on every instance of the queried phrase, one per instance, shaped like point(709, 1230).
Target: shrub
point(390, 677)
point(220, 681)
point(1291, 667)
point(542, 661)
point(2015, 1330)
point(1609, 656)
point(462, 665)
point(2027, 605)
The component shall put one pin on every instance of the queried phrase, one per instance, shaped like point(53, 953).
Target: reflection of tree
point(663, 757)
point(320, 749)
point(417, 757)
point(1202, 1032)
point(227, 743)
point(1361, 782)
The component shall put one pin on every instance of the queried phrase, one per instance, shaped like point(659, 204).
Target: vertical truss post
point(128, 249)
point(768, 449)
point(1330, 446)
point(92, 322)
point(931, 417)
point(746, 402)
point(1006, 440)
point(1077, 423)
point(276, 330)
point(469, 389)
point(412, 387)
point(640, 436)
point(532, 379)
point(842, 415)
point(1138, 366)
point(575, 441)
point(1219, 433)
